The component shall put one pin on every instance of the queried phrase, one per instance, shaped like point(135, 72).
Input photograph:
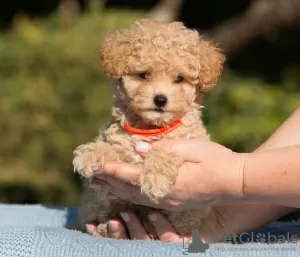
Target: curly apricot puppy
point(161, 69)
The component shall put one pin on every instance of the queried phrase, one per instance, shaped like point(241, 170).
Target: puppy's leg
point(95, 208)
point(91, 157)
point(186, 221)
point(159, 173)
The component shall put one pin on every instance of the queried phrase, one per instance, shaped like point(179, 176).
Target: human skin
point(237, 217)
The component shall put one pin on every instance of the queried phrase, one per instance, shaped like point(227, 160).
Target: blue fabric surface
point(38, 231)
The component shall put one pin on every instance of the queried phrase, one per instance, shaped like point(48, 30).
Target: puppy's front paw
point(159, 173)
point(101, 230)
point(91, 157)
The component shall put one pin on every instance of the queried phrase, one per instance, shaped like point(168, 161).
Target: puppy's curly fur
point(149, 59)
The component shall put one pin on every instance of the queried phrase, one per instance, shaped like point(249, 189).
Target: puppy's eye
point(144, 75)
point(179, 79)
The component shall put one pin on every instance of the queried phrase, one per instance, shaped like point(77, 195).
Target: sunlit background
point(54, 96)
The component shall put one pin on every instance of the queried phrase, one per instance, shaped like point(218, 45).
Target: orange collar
point(153, 132)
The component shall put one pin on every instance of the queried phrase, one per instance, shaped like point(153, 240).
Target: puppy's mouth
point(158, 116)
point(158, 109)
point(155, 109)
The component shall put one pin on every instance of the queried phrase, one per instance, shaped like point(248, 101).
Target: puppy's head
point(163, 67)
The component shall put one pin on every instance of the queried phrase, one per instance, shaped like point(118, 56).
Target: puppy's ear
point(211, 62)
point(114, 52)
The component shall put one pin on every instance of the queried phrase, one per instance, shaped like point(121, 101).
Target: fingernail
point(152, 217)
point(113, 226)
point(125, 216)
point(142, 147)
point(112, 197)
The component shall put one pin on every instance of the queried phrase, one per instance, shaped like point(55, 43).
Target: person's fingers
point(116, 230)
point(134, 226)
point(188, 149)
point(163, 228)
point(97, 185)
point(123, 171)
point(90, 228)
point(130, 193)
point(125, 192)
point(102, 179)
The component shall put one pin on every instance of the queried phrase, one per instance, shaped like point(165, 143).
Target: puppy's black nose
point(160, 100)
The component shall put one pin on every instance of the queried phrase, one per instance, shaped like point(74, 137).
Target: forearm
point(273, 176)
point(287, 134)
point(258, 213)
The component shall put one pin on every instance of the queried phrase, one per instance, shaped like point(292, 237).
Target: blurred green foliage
point(53, 97)
point(241, 113)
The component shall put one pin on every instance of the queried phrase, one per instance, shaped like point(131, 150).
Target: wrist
point(234, 178)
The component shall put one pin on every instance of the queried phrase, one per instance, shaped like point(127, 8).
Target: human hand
point(117, 230)
point(222, 220)
point(211, 174)
point(225, 221)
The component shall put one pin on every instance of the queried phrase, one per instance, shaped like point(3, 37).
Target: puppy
point(161, 70)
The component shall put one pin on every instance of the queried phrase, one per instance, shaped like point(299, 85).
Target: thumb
point(188, 149)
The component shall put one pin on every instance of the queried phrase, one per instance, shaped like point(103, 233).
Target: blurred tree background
point(54, 96)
